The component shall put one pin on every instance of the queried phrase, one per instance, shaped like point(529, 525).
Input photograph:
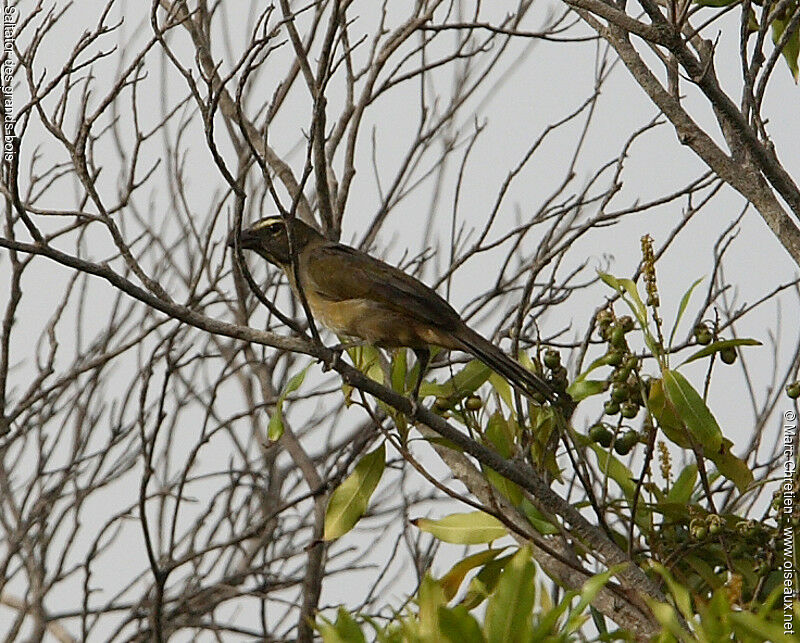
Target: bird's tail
point(519, 377)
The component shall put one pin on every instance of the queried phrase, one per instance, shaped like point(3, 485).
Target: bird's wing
point(372, 279)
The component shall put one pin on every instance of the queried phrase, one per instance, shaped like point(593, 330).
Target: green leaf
point(638, 308)
point(430, 598)
point(503, 389)
point(500, 435)
point(547, 625)
point(772, 600)
point(682, 308)
point(715, 347)
point(681, 491)
point(675, 512)
point(509, 490)
point(715, 615)
point(484, 582)
point(349, 501)
point(581, 389)
point(588, 593)
point(345, 630)
point(693, 412)
point(668, 617)
point(747, 623)
point(600, 623)
point(457, 625)
point(678, 592)
point(367, 359)
point(463, 383)
point(275, 427)
point(733, 468)
point(623, 286)
point(609, 279)
point(399, 367)
point(664, 412)
point(600, 361)
point(686, 406)
point(452, 580)
point(537, 518)
point(704, 570)
point(508, 612)
point(792, 48)
point(471, 528)
point(544, 422)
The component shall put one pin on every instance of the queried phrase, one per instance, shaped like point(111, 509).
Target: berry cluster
point(625, 384)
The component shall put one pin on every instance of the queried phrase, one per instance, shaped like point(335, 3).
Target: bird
point(359, 296)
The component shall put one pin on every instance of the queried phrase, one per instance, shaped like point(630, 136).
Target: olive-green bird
point(359, 296)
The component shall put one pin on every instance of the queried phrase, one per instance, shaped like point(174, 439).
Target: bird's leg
point(339, 348)
point(423, 357)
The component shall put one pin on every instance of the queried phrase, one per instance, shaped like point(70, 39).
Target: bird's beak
point(247, 239)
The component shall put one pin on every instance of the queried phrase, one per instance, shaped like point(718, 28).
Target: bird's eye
point(271, 225)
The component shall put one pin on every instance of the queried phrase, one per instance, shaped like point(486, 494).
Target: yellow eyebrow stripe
point(268, 222)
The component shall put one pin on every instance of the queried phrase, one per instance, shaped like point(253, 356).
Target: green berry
point(552, 359)
point(442, 403)
point(728, 354)
point(617, 336)
point(620, 374)
point(793, 390)
point(698, 529)
point(629, 410)
point(611, 407)
point(614, 357)
point(473, 403)
point(635, 392)
point(600, 434)
point(619, 392)
point(702, 334)
point(626, 321)
point(626, 442)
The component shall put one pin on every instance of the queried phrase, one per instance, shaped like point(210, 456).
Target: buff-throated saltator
point(359, 296)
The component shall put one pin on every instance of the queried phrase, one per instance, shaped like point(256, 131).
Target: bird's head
point(268, 238)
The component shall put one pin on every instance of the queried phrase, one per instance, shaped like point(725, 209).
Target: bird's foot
point(329, 364)
point(337, 350)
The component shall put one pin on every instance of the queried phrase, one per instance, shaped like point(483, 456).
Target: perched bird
point(359, 296)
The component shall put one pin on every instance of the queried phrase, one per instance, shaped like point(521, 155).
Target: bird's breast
point(374, 323)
